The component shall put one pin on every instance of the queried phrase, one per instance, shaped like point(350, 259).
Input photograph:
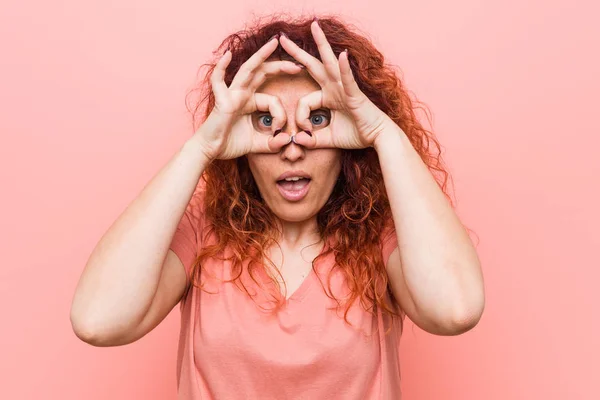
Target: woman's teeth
point(294, 188)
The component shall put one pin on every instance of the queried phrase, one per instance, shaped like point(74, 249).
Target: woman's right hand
point(228, 132)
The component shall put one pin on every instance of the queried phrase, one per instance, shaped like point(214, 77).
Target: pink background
point(92, 106)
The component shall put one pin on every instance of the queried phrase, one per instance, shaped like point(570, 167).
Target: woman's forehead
point(290, 84)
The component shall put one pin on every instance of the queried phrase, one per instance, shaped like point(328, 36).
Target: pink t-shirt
point(230, 349)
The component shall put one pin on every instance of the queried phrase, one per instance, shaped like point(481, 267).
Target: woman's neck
point(299, 234)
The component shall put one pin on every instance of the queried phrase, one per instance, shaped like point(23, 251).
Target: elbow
point(462, 325)
point(457, 324)
point(80, 323)
point(89, 333)
point(466, 319)
point(84, 331)
point(468, 312)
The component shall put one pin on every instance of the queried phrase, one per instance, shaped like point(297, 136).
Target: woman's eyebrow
point(267, 112)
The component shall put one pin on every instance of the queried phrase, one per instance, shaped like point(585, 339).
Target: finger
point(272, 144)
point(321, 140)
point(311, 101)
point(269, 143)
point(313, 65)
point(266, 102)
point(263, 143)
point(245, 73)
point(271, 68)
point(273, 104)
point(217, 78)
point(350, 86)
point(327, 56)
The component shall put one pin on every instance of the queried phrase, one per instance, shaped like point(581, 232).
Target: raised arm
point(131, 280)
point(122, 275)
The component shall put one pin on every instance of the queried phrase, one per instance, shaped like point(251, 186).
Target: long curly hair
point(357, 214)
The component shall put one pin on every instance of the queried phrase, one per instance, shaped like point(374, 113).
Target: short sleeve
point(389, 242)
point(185, 242)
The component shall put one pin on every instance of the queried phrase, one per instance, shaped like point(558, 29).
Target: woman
point(285, 257)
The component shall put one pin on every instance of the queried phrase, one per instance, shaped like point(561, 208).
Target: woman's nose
point(293, 151)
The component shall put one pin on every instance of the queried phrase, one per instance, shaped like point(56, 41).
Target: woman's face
point(301, 200)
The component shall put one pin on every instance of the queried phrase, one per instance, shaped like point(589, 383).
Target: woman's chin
point(293, 217)
point(292, 213)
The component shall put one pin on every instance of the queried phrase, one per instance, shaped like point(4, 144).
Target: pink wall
point(92, 105)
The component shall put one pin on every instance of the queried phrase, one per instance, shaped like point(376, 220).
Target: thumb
point(268, 143)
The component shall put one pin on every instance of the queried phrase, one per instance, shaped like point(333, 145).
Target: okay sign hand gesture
point(355, 120)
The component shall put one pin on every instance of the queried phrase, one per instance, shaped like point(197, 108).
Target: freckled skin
point(323, 165)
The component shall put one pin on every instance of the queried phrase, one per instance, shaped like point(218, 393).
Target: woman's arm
point(435, 271)
point(121, 276)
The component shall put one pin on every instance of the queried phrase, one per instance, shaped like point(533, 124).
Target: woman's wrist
point(198, 146)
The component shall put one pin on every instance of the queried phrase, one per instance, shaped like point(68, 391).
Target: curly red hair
point(358, 212)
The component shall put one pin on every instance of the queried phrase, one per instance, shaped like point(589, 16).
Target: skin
point(434, 273)
point(298, 221)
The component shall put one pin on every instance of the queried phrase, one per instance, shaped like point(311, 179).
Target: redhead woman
point(295, 229)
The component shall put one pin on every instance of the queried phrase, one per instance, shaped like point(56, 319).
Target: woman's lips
point(294, 191)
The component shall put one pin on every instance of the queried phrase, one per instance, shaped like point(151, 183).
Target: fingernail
point(273, 37)
point(282, 34)
point(308, 132)
point(277, 132)
point(225, 50)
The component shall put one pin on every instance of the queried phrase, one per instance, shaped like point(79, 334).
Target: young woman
point(296, 229)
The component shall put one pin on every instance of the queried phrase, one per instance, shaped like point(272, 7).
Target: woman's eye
point(317, 119)
point(266, 117)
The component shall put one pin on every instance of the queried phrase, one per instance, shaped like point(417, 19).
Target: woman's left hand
point(355, 120)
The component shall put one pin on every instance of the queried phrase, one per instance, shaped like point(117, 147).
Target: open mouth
point(294, 189)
